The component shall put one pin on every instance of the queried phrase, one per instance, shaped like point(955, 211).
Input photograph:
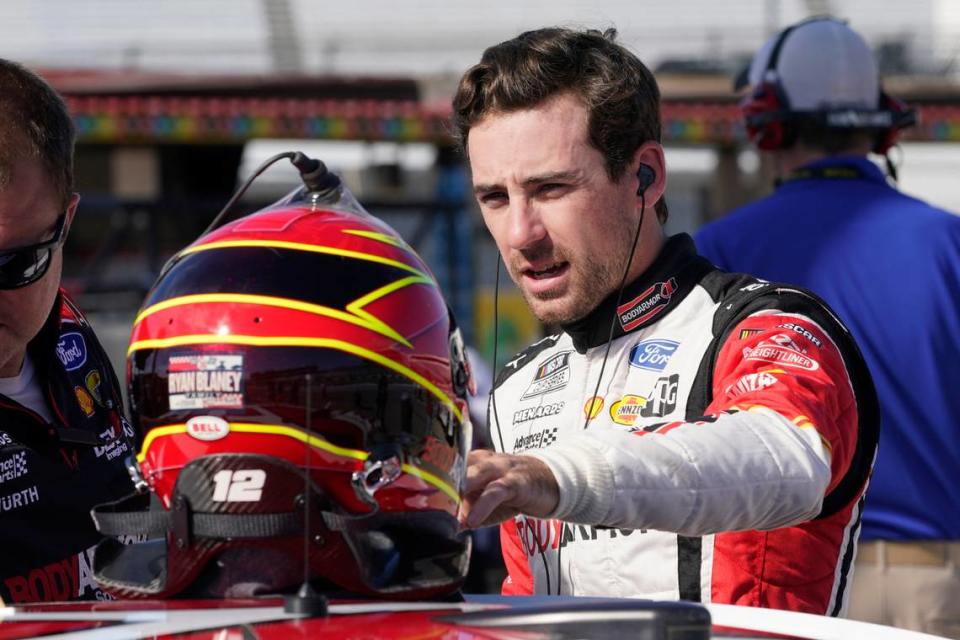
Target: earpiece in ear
point(647, 177)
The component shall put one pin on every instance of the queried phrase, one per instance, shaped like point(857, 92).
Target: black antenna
point(307, 602)
point(315, 175)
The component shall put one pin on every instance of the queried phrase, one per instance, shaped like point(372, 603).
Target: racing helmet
point(300, 386)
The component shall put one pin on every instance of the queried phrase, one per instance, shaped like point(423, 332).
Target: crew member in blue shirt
point(889, 264)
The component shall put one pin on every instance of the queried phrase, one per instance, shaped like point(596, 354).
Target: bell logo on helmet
point(208, 428)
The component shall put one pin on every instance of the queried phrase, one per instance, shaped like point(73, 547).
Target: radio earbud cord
point(646, 177)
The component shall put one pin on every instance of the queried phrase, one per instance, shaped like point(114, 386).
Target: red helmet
point(306, 336)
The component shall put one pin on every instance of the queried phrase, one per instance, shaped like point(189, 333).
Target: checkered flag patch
point(549, 437)
point(19, 464)
point(13, 467)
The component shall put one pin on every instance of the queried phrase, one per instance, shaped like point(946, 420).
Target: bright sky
point(423, 37)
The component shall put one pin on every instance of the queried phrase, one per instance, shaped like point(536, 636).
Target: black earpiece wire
point(641, 191)
point(606, 354)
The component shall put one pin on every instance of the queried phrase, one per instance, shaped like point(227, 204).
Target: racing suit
point(51, 475)
point(718, 453)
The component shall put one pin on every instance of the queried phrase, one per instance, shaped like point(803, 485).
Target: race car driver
point(687, 433)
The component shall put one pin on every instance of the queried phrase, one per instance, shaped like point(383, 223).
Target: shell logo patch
point(84, 400)
point(592, 407)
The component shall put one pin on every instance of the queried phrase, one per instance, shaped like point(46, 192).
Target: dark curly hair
point(619, 92)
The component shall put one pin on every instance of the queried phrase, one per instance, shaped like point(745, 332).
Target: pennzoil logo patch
point(205, 381)
point(92, 380)
point(625, 410)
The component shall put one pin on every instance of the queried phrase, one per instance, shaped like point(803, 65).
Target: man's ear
point(649, 172)
point(71, 211)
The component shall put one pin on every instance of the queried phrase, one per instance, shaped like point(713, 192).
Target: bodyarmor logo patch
point(647, 305)
point(552, 375)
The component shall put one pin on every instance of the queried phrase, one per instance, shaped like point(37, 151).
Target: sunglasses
point(25, 265)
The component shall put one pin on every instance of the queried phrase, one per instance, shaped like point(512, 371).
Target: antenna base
point(307, 603)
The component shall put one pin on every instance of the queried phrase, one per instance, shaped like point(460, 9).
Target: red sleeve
point(788, 363)
point(518, 582)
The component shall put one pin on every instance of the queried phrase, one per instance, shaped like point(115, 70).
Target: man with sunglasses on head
point(63, 439)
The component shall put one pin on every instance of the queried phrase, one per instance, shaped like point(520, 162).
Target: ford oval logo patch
point(208, 428)
point(653, 354)
point(72, 350)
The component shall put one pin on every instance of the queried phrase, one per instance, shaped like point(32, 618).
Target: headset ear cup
point(763, 114)
point(902, 117)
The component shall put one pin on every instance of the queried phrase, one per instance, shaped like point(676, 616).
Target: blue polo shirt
point(889, 265)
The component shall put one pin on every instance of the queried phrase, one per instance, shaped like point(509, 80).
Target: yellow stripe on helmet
point(356, 313)
point(304, 341)
point(306, 438)
point(302, 246)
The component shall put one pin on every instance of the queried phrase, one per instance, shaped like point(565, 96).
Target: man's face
point(29, 208)
point(563, 227)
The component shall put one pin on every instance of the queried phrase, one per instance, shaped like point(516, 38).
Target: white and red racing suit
point(723, 457)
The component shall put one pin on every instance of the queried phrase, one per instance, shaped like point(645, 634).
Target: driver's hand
point(501, 485)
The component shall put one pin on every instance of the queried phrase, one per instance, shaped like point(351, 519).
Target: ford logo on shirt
point(72, 350)
point(652, 354)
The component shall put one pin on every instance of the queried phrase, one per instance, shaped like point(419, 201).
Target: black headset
point(771, 122)
point(647, 177)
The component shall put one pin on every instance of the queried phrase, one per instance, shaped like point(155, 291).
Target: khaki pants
point(911, 585)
